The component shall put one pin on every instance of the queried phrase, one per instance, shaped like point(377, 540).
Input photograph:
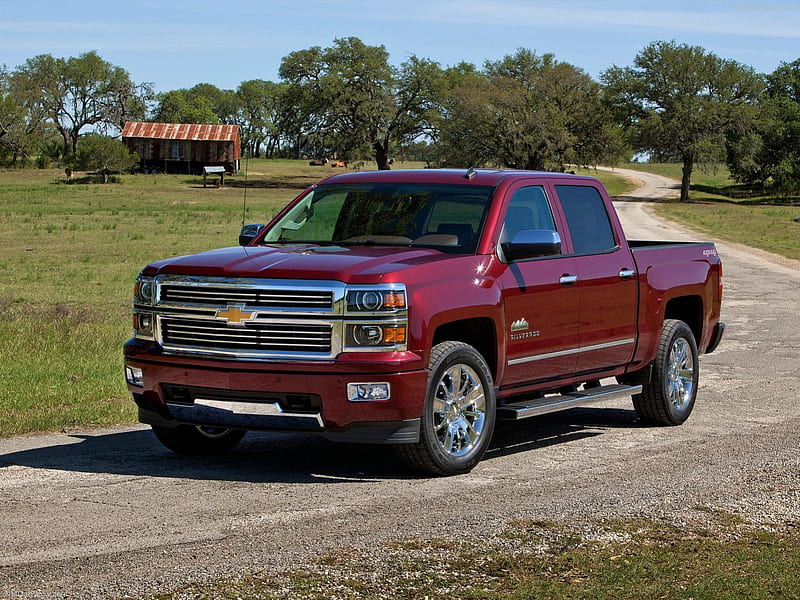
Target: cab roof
point(480, 177)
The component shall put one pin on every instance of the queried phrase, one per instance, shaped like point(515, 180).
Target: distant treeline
point(675, 103)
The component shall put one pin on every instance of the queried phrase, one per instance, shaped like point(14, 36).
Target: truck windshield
point(446, 217)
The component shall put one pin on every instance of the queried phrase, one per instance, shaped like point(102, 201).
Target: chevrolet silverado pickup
point(416, 308)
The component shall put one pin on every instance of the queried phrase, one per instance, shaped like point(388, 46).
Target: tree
point(526, 111)
point(104, 155)
point(78, 92)
point(681, 100)
point(349, 99)
point(16, 128)
point(769, 153)
point(202, 103)
point(257, 113)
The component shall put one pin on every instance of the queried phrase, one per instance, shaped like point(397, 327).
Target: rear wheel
point(459, 413)
point(668, 399)
point(198, 439)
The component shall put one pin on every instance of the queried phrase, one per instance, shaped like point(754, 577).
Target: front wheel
point(668, 399)
point(198, 439)
point(459, 412)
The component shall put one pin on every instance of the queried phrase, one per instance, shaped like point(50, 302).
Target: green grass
point(624, 560)
point(615, 184)
point(68, 256)
point(722, 209)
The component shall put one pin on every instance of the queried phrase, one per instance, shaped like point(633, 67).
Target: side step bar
point(548, 404)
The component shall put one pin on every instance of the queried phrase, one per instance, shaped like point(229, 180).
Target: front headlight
point(381, 323)
point(376, 300)
point(144, 290)
point(375, 335)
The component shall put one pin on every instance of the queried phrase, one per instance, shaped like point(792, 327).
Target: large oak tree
point(349, 97)
point(526, 111)
point(682, 101)
point(77, 93)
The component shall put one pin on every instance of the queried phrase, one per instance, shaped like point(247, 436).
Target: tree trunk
point(382, 156)
point(686, 178)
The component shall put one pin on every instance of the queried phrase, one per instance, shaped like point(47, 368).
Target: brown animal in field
point(339, 164)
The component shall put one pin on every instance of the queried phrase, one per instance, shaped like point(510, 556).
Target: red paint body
point(602, 325)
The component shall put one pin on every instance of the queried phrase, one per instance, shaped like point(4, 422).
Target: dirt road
point(111, 513)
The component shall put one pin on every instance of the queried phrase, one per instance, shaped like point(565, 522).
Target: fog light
point(367, 335)
point(368, 392)
point(143, 323)
point(134, 376)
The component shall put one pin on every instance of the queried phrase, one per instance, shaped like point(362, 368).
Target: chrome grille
point(254, 336)
point(251, 296)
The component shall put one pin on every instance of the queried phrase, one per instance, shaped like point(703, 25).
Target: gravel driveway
point(109, 512)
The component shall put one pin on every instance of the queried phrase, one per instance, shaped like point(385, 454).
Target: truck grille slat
point(253, 336)
point(257, 298)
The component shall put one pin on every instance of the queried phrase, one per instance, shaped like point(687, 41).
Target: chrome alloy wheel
point(459, 410)
point(680, 374)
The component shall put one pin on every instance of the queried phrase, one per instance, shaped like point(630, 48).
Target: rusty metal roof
point(181, 131)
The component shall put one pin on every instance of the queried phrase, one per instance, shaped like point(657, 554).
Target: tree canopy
point(75, 93)
point(675, 102)
point(349, 98)
point(529, 112)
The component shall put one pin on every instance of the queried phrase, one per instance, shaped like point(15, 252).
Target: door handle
point(567, 280)
point(626, 273)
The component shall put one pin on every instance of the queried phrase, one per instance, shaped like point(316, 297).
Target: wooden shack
point(183, 147)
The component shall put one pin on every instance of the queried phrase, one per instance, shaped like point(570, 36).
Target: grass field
point(68, 256)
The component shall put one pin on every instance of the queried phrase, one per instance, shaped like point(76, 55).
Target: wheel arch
point(478, 332)
point(688, 309)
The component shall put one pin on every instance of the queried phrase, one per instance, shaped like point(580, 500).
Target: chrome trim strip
point(259, 409)
point(536, 357)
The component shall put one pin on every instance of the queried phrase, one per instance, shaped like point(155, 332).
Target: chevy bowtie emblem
point(234, 315)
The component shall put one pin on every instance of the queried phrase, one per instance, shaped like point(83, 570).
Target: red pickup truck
point(416, 308)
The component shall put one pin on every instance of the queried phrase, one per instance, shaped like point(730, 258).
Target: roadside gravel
point(110, 513)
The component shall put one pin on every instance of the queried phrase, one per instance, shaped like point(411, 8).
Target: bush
point(103, 154)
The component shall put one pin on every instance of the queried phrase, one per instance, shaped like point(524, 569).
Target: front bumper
point(280, 396)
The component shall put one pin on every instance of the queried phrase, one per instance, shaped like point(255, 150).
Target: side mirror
point(529, 243)
point(250, 232)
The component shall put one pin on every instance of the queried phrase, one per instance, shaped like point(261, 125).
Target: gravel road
point(109, 513)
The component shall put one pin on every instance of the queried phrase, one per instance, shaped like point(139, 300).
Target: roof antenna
point(470, 173)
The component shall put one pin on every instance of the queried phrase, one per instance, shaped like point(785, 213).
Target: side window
point(528, 209)
point(587, 219)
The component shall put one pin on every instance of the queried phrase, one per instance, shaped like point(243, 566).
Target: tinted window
point(587, 219)
point(528, 209)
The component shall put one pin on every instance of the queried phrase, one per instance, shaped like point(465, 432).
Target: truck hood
point(351, 264)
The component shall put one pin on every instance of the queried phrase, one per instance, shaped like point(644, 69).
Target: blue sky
point(179, 43)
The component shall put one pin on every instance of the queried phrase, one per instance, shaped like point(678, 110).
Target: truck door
point(606, 281)
point(541, 302)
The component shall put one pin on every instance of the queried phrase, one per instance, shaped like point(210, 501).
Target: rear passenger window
point(587, 219)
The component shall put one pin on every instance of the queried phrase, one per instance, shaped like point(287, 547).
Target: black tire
point(198, 439)
point(668, 399)
point(459, 412)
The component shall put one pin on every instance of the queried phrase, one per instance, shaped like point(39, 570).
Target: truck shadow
point(266, 457)
point(514, 437)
